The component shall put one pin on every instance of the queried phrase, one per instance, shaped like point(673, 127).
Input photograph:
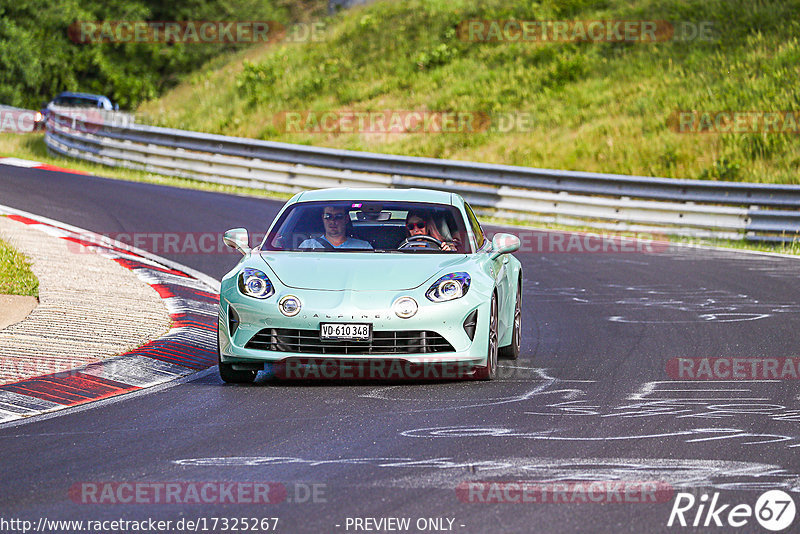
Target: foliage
point(38, 59)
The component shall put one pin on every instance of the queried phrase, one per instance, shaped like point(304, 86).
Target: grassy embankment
point(596, 106)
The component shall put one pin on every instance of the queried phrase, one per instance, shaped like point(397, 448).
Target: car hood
point(358, 271)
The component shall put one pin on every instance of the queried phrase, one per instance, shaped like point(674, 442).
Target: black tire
point(230, 375)
point(489, 371)
point(511, 352)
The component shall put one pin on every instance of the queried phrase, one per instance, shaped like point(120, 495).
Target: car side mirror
point(504, 244)
point(238, 239)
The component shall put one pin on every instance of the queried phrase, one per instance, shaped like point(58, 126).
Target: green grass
point(602, 107)
point(16, 277)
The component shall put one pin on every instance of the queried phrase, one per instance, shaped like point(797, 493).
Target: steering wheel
point(428, 241)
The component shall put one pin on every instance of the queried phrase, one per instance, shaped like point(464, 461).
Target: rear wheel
point(489, 371)
point(512, 351)
point(234, 376)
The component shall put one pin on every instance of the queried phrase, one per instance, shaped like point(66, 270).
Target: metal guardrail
point(608, 201)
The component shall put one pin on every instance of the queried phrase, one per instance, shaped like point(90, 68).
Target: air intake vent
point(470, 323)
point(383, 342)
point(233, 320)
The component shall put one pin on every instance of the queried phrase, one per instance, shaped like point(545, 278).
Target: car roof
point(384, 194)
point(87, 96)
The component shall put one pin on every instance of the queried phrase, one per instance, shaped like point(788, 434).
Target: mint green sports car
point(371, 283)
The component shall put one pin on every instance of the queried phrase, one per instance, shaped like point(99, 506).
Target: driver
point(418, 224)
point(335, 219)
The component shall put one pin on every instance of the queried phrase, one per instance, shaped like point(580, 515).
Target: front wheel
point(489, 371)
point(230, 375)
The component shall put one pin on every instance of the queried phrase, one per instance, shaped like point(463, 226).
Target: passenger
point(336, 221)
point(417, 223)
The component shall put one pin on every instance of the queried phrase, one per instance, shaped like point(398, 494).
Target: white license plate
point(333, 331)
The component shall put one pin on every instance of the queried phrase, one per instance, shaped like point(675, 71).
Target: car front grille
point(383, 342)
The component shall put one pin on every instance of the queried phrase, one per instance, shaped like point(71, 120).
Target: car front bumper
point(444, 319)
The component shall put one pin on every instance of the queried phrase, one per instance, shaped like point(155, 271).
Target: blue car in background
point(75, 100)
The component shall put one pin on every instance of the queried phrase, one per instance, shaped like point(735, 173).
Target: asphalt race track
point(591, 398)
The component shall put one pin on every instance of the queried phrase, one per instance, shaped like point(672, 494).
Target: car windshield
point(78, 102)
point(347, 226)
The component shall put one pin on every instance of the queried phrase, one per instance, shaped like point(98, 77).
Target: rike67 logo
point(774, 510)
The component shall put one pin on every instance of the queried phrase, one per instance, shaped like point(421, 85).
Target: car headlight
point(449, 287)
point(254, 283)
